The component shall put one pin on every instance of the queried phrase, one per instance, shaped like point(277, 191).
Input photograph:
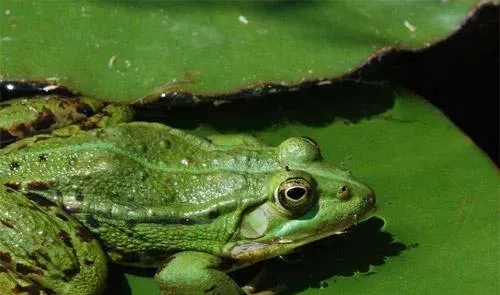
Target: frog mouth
point(253, 251)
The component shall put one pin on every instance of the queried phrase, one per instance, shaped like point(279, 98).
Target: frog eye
point(296, 195)
point(344, 192)
point(299, 150)
point(311, 141)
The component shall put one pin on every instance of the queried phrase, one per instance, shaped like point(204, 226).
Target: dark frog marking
point(6, 137)
point(88, 262)
point(3, 269)
point(50, 114)
point(5, 257)
point(6, 223)
point(26, 269)
point(91, 221)
point(38, 185)
point(62, 217)
point(65, 238)
point(85, 109)
point(14, 166)
point(79, 196)
point(70, 273)
point(84, 234)
point(13, 185)
point(40, 200)
point(44, 121)
point(32, 290)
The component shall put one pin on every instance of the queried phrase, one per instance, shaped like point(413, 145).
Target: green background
point(125, 50)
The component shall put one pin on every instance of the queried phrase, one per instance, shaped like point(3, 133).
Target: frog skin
point(99, 189)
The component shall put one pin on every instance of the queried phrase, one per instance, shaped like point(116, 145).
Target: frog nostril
point(370, 198)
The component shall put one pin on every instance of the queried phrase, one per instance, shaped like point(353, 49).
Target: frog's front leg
point(194, 273)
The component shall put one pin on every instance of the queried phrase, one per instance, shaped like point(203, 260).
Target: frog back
point(145, 189)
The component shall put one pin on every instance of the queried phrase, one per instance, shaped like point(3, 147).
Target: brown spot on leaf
point(42, 157)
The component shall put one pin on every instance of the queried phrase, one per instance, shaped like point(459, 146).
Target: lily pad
point(125, 50)
point(437, 193)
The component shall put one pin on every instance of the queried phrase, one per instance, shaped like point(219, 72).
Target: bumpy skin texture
point(43, 248)
point(156, 196)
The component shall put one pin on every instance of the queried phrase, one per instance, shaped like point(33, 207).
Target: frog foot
point(250, 290)
point(256, 285)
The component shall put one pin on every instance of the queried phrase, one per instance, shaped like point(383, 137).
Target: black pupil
point(295, 193)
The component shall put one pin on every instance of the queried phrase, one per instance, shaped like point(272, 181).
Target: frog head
point(308, 199)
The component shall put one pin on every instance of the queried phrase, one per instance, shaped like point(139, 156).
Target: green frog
point(82, 185)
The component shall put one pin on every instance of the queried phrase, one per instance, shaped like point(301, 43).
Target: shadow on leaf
point(318, 106)
point(356, 251)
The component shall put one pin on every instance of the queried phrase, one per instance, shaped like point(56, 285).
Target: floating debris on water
point(409, 26)
point(243, 20)
point(111, 61)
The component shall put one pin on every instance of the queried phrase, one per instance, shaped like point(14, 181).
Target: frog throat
point(254, 251)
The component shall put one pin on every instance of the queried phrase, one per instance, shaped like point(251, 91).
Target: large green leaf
point(124, 50)
point(437, 192)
